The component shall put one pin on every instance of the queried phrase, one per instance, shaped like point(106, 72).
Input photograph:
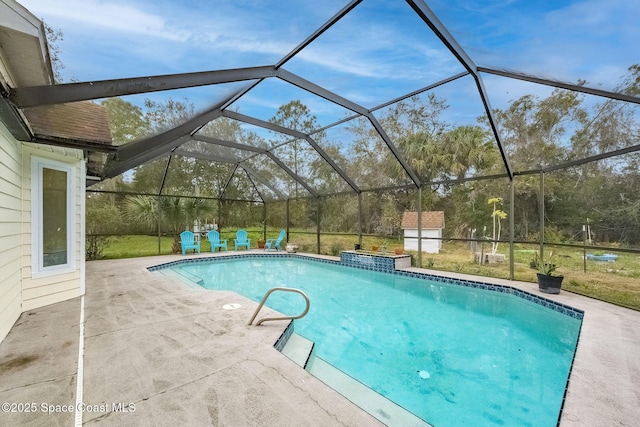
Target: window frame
point(38, 164)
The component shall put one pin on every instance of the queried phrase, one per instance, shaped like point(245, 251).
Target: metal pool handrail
point(264, 299)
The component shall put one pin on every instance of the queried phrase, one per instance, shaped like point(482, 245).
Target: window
point(52, 216)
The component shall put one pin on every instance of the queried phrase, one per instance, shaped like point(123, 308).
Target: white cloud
point(112, 16)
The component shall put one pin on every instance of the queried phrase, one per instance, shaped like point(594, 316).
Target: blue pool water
point(452, 355)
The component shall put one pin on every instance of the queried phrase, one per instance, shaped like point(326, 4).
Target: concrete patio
point(158, 352)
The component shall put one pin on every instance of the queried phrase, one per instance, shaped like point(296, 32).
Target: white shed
point(432, 226)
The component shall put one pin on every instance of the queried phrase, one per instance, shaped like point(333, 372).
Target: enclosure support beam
point(264, 220)
point(343, 102)
point(318, 207)
point(360, 219)
point(296, 134)
point(233, 161)
point(541, 207)
point(298, 48)
point(219, 214)
point(291, 173)
point(224, 189)
point(164, 175)
point(84, 91)
point(241, 163)
point(317, 33)
point(562, 85)
point(438, 28)
point(419, 227)
point(287, 219)
point(493, 124)
point(255, 187)
point(138, 152)
point(512, 208)
point(394, 150)
point(159, 233)
point(164, 178)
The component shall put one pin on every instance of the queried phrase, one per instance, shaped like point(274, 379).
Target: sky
point(380, 51)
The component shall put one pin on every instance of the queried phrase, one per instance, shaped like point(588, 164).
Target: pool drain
point(424, 375)
point(231, 306)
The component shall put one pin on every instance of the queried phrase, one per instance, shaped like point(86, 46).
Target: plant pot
point(549, 284)
point(261, 244)
point(398, 251)
point(374, 248)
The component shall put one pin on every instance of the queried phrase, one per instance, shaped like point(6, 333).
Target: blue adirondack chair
point(214, 237)
point(188, 241)
point(275, 243)
point(242, 239)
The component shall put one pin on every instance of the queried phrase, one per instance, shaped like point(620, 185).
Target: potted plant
point(548, 282)
point(261, 243)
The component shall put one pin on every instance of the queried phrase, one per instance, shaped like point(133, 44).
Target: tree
point(54, 36)
point(536, 134)
point(296, 116)
point(158, 117)
point(174, 214)
point(163, 115)
point(496, 216)
point(126, 121)
point(415, 115)
point(467, 149)
point(102, 219)
point(536, 131)
point(416, 128)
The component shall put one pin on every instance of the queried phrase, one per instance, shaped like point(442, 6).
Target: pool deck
point(165, 353)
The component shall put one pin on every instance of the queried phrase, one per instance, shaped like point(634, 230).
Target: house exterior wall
point(10, 230)
point(428, 244)
point(19, 291)
point(40, 291)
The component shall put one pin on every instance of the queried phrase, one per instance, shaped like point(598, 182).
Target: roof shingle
point(77, 121)
point(430, 219)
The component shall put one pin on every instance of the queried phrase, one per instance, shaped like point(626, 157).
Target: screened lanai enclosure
point(331, 119)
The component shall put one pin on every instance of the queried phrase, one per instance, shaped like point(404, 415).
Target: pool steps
point(192, 281)
point(300, 350)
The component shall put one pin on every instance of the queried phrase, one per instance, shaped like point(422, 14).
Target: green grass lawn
point(616, 282)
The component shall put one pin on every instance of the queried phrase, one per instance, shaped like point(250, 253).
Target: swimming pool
point(449, 354)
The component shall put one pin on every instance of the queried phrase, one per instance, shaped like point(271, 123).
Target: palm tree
point(174, 214)
point(469, 148)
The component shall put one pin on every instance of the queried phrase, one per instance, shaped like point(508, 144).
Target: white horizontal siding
point(10, 308)
point(7, 284)
point(430, 240)
point(41, 291)
point(10, 231)
point(49, 290)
